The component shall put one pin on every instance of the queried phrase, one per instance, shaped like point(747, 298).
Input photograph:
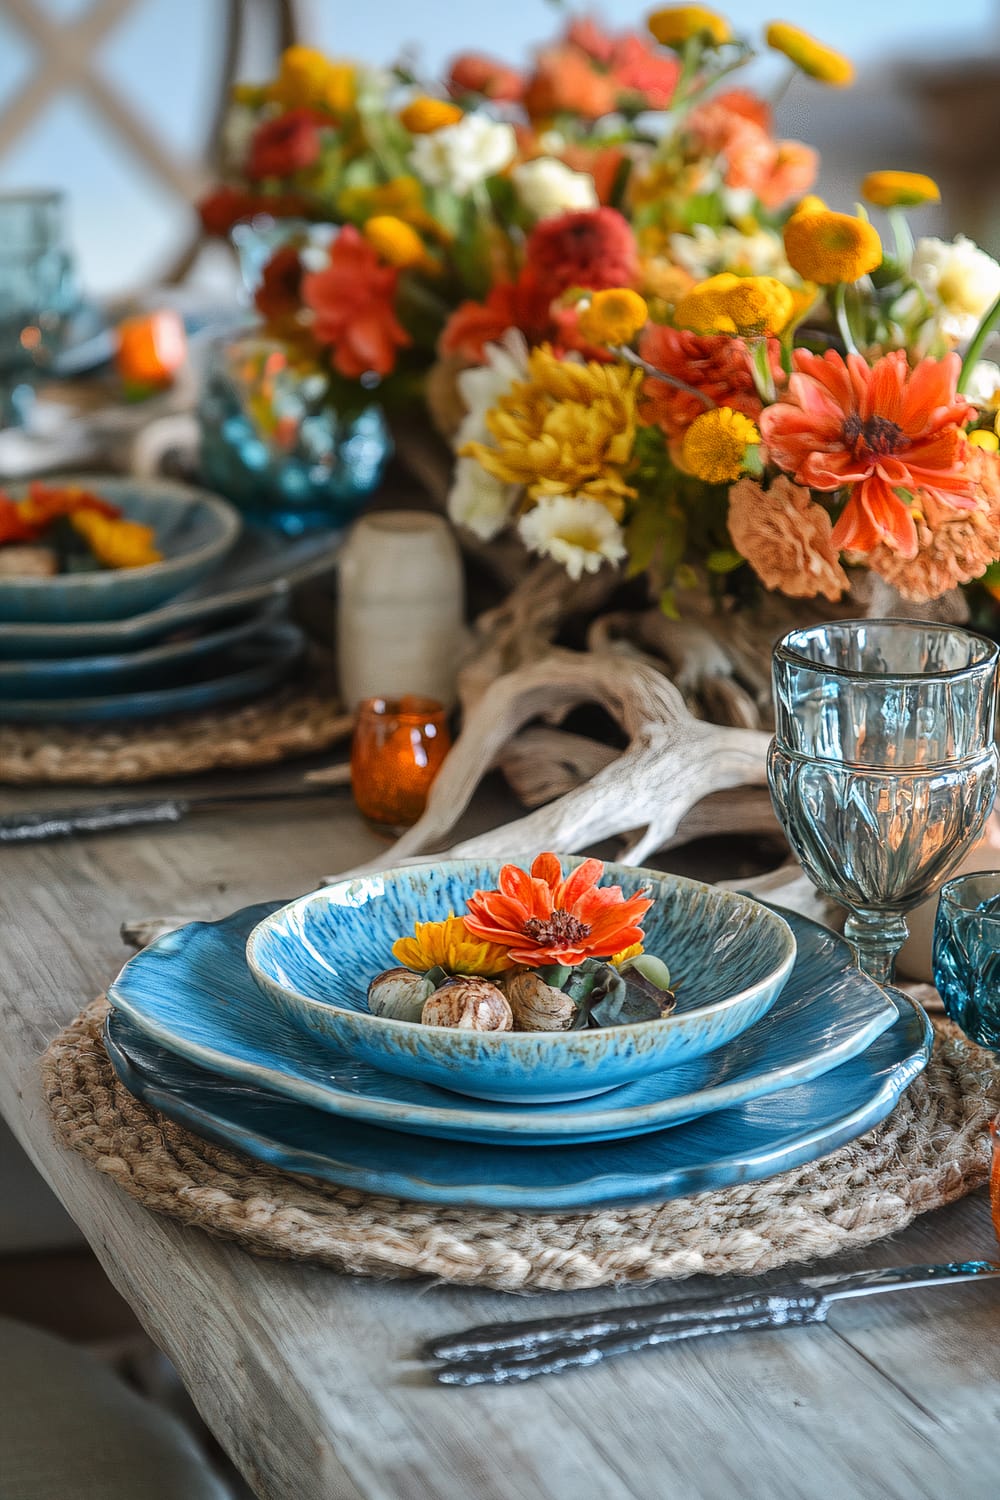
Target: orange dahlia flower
point(715, 364)
point(543, 919)
point(888, 433)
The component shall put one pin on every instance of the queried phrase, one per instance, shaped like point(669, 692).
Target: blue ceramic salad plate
point(191, 994)
point(774, 1133)
point(729, 958)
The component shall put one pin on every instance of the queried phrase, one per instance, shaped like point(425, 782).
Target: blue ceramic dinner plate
point(245, 670)
point(191, 992)
point(158, 666)
point(729, 958)
point(753, 1140)
point(262, 566)
point(194, 531)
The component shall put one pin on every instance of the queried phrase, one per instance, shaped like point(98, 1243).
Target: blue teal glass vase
point(274, 444)
point(967, 954)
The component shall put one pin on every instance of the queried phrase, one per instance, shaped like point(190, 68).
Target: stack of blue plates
point(205, 627)
point(195, 1035)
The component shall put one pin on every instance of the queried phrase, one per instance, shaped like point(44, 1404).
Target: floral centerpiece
point(649, 345)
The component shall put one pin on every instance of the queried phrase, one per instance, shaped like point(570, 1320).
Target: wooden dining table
point(311, 1380)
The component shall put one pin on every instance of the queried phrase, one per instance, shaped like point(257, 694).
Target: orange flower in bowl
point(544, 919)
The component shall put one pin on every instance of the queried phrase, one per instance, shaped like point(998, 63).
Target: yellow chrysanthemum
point(900, 189)
point(309, 79)
point(715, 446)
point(829, 247)
point(810, 204)
point(569, 429)
point(116, 543)
point(674, 25)
point(613, 316)
point(810, 56)
point(450, 945)
point(425, 115)
point(400, 197)
point(749, 306)
point(625, 954)
point(395, 241)
point(983, 438)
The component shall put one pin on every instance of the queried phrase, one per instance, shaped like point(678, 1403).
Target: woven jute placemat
point(298, 719)
point(932, 1149)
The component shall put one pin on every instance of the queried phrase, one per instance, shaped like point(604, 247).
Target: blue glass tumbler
point(967, 954)
point(883, 767)
point(38, 292)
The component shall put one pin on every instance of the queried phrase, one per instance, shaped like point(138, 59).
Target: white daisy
point(577, 531)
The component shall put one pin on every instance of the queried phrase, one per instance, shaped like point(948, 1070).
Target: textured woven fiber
point(297, 720)
point(932, 1149)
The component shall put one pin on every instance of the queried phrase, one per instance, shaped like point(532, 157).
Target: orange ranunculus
point(474, 73)
point(884, 432)
point(790, 173)
point(543, 919)
point(565, 81)
point(645, 76)
point(352, 303)
point(588, 35)
point(525, 304)
point(718, 366)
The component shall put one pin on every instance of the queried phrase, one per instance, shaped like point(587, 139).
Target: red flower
point(594, 248)
point(225, 206)
point(543, 919)
point(639, 69)
point(883, 431)
point(473, 73)
point(712, 363)
point(13, 526)
point(352, 302)
point(279, 294)
point(289, 144)
point(523, 304)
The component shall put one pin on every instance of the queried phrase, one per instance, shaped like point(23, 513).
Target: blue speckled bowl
point(194, 531)
point(315, 957)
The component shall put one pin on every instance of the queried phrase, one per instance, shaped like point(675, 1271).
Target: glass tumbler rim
point(950, 893)
point(985, 665)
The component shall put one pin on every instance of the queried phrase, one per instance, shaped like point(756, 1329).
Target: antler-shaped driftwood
point(672, 761)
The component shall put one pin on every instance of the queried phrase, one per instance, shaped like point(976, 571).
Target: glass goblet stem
point(876, 937)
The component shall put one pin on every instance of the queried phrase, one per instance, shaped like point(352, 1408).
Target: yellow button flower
point(613, 316)
point(750, 306)
point(395, 241)
point(828, 247)
point(425, 115)
point(401, 197)
point(308, 78)
point(450, 945)
point(810, 204)
point(674, 25)
point(983, 438)
point(810, 56)
point(900, 189)
point(569, 429)
point(715, 446)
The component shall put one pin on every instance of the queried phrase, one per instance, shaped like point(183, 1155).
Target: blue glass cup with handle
point(967, 954)
point(883, 767)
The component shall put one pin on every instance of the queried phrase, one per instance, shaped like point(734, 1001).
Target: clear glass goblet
point(883, 767)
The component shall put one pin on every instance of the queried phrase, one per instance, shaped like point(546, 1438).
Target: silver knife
point(501, 1353)
point(34, 827)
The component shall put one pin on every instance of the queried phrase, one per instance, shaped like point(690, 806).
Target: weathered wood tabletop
point(309, 1378)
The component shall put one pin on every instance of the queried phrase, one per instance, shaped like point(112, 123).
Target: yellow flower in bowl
point(450, 945)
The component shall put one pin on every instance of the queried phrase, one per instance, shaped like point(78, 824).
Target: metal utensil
point(34, 827)
point(500, 1353)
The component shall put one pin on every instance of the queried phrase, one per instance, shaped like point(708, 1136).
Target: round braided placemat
point(297, 720)
point(932, 1149)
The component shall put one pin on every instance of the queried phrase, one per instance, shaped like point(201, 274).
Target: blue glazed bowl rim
point(499, 1040)
point(784, 652)
point(228, 517)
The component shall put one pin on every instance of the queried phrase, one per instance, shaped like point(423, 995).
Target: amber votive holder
point(398, 747)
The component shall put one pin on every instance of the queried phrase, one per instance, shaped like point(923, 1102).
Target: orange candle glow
point(398, 747)
point(151, 348)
